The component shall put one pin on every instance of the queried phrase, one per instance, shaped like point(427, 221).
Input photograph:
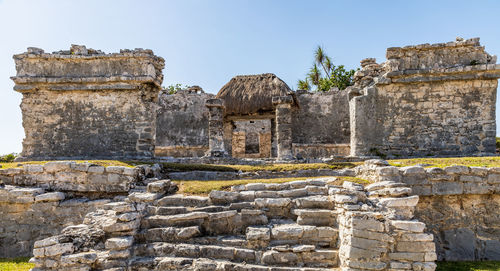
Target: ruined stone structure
point(424, 100)
point(406, 219)
point(84, 103)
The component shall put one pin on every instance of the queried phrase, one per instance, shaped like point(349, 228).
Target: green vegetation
point(204, 187)
point(15, 264)
point(492, 161)
point(468, 266)
point(249, 168)
point(172, 89)
point(498, 143)
point(324, 75)
point(8, 158)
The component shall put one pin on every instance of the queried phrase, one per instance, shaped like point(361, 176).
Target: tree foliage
point(323, 75)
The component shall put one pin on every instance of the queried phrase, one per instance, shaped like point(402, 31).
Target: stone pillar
point(84, 104)
point(216, 128)
point(283, 105)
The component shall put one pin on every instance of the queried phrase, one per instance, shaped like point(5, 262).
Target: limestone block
point(119, 254)
point(412, 226)
point(120, 207)
point(375, 265)
point(54, 196)
point(494, 178)
point(414, 246)
point(57, 166)
point(115, 169)
point(126, 217)
point(368, 224)
point(119, 243)
point(468, 178)
point(411, 170)
point(189, 232)
point(223, 197)
point(447, 188)
point(407, 256)
point(424, 266)
point(478, 188)
point(33, 168)
point(79, 258)
point(457, 170)
point(417, 237)
point(369, 244)
point(96, 169)
point(58, 249)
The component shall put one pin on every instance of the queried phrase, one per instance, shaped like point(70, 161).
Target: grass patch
point(204, 187)
point(468, 266)
point(250, 168)
point(15, 264)
point(490, 161)
point(104, 163)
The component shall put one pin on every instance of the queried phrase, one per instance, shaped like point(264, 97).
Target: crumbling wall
point(84, 103)
point(425, 100)
point(38, 201)
point(73, 177)
point(30, 214)
point(182, 124)
point(460, 206)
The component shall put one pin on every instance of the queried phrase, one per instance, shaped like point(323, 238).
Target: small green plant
point(8, 158)
point(172, 89)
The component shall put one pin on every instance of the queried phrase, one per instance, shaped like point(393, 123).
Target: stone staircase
point(288, 226)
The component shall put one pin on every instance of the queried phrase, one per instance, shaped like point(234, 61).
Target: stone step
point(316, 217)
point(189, 264)
point(183, 201)
point(282, 186)
point(175, 210)
point(293, 234)
point(280, 256)
point(216, 223)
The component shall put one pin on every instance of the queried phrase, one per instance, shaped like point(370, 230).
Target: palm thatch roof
point(248, 94)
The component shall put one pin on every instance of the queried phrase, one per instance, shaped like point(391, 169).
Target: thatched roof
point(248, 94)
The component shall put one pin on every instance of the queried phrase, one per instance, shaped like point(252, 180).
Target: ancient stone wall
point(460, 206)
point(30, 214)
point(426, 100)
point(320, 124)
point(84, 103)
point(300, 225)
point(321, 118)
point(182, 124)
point(38, 201)
point(73, 177)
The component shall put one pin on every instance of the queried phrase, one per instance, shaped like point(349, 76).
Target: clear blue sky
point(207, 42)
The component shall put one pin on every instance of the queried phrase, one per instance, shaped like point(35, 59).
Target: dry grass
point(490, 161)
point(97, 162)
point(15, 264)
point(204, 187)
point(249, 168)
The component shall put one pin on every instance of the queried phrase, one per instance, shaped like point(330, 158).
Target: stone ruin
point(428, 99)
point(80, 216)
point(425, 100)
